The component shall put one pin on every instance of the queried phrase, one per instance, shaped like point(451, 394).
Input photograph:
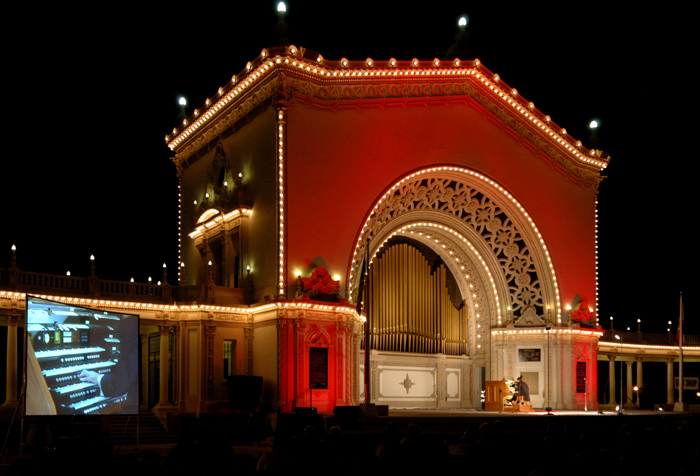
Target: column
point(229, 259)
point(164, 368)
point(143, 363)
point(249, 333)
point(208, 278)
point(245, 276)
point(557, 401)
point(11, 365)
point(209, 334)
point(164, 407)
point(669, 381)
point(612, 379)
point(630, 385)
point(640, 382)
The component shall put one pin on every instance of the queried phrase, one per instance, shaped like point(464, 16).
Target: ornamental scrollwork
point(488, 220)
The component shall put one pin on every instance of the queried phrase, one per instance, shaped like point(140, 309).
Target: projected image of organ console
point(65, 344)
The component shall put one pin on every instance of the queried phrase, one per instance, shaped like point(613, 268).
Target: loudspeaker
point(352, 411)
point(244, 391)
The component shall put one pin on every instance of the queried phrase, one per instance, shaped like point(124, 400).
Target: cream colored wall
point(251, 150)
point(227, 331)
point(265, 357)
point(428, 381)
point(555, 370)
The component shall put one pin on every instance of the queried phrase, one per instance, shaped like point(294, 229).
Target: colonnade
point(630, 354)
point(638, 382)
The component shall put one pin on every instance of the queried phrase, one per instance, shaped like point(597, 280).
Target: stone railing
point(13, 279)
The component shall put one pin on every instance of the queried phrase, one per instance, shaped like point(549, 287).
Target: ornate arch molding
point(482, 224)
point(465, 262)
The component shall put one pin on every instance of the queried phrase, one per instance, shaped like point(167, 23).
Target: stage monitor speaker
point(351, 411)
point(244, 392)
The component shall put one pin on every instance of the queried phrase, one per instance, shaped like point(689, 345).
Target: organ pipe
point(412, 310)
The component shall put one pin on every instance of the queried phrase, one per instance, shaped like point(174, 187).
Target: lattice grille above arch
point(490, 215)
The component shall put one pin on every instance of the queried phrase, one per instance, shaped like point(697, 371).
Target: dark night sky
point(90, 95)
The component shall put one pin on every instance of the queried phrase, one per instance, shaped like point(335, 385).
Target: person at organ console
point(123, 379)
point(522, 391)
point(80, 360)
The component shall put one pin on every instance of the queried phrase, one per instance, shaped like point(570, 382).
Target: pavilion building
point(422, 212)
point(475, 212)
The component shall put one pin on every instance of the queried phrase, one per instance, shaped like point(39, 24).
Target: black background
point(90, 94)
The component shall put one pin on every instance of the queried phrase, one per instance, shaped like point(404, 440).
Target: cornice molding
point(337, 85)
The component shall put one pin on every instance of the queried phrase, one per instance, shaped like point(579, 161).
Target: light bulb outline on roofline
point(370, 68)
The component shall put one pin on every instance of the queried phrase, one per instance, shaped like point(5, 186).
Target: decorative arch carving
point(315, 335)
point(501, 237)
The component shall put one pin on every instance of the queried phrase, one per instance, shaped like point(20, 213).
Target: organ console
point(495, 396)
point(498, 397)
point(60, 345)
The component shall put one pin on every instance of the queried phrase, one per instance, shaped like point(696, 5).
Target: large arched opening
point(452, 255)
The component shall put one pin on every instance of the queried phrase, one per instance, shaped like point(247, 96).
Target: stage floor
point(459, 412)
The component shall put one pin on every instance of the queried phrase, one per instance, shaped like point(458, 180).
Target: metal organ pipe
point(412, 310)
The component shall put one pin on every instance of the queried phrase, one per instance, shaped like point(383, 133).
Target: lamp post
point(281, 26)
point(182, 102)
point(618, 337)
point(548, 408)
point(593, 126)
